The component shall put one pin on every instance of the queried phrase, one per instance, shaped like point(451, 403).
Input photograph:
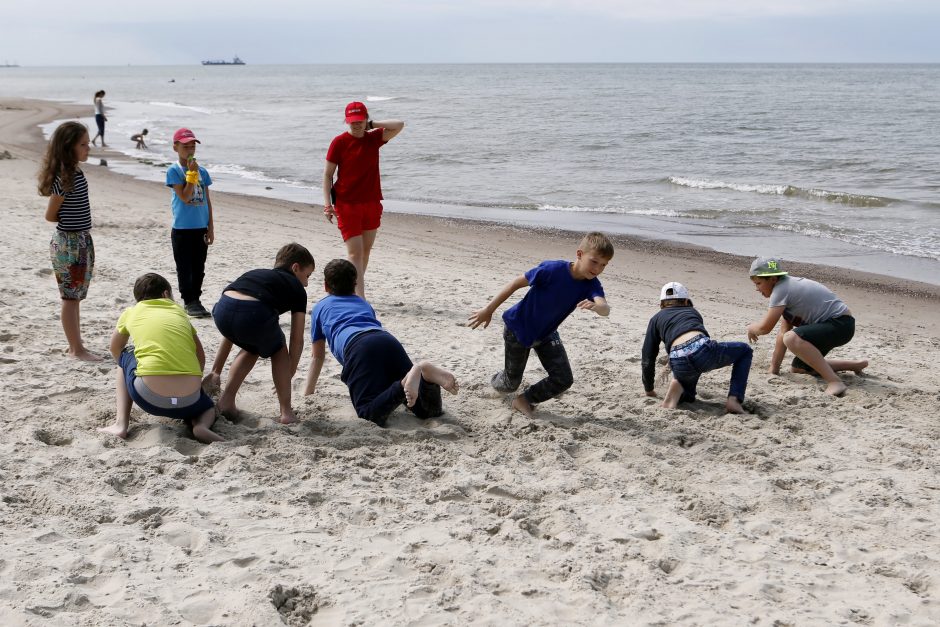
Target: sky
point(176, 32)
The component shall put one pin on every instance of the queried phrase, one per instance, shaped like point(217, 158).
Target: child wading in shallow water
point(813, 321)
point(72, 249)
point(691, 351)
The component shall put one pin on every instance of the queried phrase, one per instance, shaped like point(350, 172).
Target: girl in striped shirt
point(72, 250)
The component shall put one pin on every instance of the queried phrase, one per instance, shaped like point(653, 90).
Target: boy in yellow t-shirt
point(162, 371)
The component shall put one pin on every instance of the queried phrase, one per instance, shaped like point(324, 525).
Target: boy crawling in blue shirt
point(556, 288)
point(376, 369)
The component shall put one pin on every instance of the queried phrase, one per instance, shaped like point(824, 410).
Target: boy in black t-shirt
point(691, 351)
point(247, 316)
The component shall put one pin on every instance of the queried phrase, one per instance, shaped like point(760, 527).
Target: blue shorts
point(179, 408)
point(249, 324)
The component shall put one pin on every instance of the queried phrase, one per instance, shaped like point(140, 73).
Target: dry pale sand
point(604, 509)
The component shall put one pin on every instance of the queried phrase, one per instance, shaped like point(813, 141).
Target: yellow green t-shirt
point(163, 337)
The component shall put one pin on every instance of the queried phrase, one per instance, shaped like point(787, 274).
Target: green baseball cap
point(767, 266)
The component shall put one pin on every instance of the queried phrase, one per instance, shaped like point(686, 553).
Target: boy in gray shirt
point(814, 322)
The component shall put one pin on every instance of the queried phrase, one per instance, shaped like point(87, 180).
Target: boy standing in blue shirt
point(193, 231)
point(556, 288)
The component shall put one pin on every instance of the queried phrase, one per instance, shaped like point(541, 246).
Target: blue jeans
point(711, 356)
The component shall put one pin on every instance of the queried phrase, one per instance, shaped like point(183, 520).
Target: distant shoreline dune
point(604, 509)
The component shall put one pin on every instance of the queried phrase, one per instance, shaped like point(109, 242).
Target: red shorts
point(353, 218)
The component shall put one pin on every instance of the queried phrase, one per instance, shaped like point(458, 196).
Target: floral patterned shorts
point(73, 262)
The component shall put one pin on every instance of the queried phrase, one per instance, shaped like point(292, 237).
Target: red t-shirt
point(357, 178)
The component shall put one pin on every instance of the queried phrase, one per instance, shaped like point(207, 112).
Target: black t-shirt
point(665, 327)
point(277, 288)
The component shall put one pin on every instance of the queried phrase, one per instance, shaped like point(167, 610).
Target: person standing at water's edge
point(100, 118)
point(355, 198)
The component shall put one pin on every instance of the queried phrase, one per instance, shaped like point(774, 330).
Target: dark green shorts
point(825, 336)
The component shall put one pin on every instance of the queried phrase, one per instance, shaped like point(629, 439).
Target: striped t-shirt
point(75, 212)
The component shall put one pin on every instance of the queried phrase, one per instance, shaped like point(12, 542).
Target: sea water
point(833, 164)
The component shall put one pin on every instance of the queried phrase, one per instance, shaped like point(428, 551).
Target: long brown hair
point(60, 157)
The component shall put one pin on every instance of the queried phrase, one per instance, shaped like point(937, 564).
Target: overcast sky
point(170, 32)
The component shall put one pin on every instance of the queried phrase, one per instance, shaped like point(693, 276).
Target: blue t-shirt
point(338, 319)
point(553, 294)
point(195, 213)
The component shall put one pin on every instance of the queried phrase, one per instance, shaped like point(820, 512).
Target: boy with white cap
point(814, 321)
point(691, 351)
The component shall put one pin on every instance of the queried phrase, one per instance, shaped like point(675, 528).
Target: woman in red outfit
point(355, 197)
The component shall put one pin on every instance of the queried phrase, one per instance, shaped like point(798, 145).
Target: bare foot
point(288, 417)
point(206, 435)
point(836, 388)
point(117, 430)
point(229, 411)
point(733, 406)
point(858, 366)
point(436, 374)
point(673, 394)
point(85, 355)
point(521, 404)
point(411, 384)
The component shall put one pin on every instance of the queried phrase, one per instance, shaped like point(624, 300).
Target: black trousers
point(550, 351)
point(376, 363)
point(189, 253)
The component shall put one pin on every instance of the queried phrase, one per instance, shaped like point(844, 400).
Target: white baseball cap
point(673, 291)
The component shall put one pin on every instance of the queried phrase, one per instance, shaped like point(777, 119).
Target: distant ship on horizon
point(235, 61)
point(7, 64)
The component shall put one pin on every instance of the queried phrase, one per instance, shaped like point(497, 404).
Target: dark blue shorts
point(250, 324)
point(128, 363)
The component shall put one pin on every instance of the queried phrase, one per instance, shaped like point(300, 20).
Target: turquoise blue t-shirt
point(195, 213)
point(339, 319)
point(553, 294)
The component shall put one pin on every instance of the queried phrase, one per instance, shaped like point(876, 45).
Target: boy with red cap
point(355, 198)
point(192, 220)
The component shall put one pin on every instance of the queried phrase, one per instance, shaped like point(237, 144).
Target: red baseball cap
point(184, 136)
point(356, 112)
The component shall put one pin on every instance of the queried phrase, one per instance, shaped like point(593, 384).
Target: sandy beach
point(604, 509)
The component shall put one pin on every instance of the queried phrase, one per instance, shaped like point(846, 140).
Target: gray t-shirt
point(805, 301)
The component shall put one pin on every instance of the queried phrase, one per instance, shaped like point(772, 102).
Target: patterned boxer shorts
point(73, 262)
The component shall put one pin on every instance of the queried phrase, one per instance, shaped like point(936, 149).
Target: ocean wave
point(234, 169)
point(380, 98)
point(897, 244)
point(176, 105)
point(843, 198)
point(577, 209)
